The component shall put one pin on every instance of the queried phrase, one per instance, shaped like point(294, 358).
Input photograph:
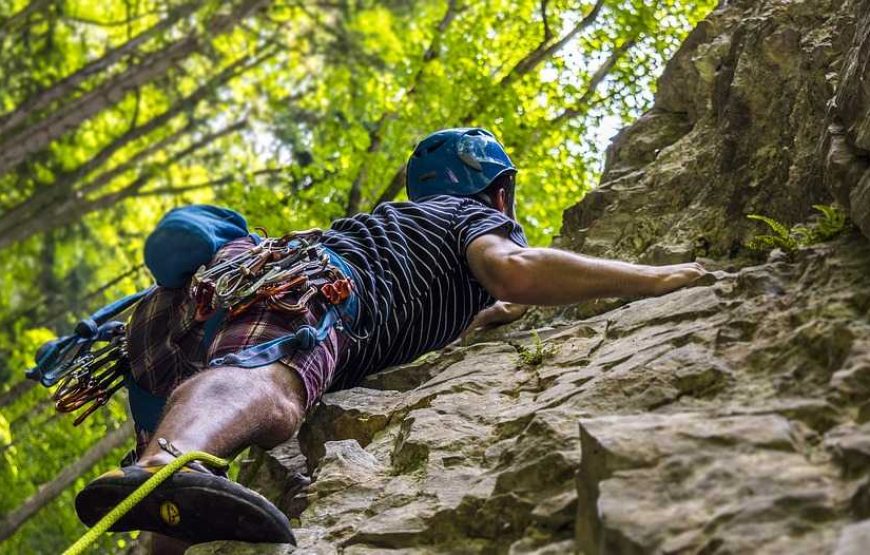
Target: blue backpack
point(188, 237)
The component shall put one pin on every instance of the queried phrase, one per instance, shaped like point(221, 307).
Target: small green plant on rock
point(536, 353)
point(831, 221)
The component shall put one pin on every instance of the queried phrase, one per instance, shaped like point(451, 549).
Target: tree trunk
point(75, 208)
point(49, 491)
point(396, 184)
point(61, 188)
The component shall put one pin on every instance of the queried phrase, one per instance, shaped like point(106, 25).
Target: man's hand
point(676, 276)
point(497, 315)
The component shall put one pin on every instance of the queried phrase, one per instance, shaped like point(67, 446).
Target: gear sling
point(91, 364)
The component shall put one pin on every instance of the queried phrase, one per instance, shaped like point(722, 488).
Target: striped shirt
point(417, 293)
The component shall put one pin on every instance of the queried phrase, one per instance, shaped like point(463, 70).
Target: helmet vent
point(435, 146)
point(428, 176)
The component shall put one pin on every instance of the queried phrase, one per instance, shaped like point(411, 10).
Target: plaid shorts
point(166, 345)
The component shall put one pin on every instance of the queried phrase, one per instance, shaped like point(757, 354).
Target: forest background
point(293, 113)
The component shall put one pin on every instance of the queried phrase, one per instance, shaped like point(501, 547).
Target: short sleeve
point(474, 219)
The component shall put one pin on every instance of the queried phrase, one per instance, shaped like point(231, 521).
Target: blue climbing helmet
point(460, 162)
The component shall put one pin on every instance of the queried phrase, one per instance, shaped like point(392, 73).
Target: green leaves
point(831, 222)
point(489, 64)
point(536, 353)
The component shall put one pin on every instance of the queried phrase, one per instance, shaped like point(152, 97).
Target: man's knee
point(287, 389)
point(274, 385)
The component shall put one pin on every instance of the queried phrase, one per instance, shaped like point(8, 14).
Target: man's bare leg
point(226, 409)
point(223, 410)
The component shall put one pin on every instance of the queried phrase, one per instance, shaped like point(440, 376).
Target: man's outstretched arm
point(543, 276)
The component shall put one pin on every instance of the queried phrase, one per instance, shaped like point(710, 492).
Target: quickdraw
point(93, 378)
point(89, 366)
point(276, 268)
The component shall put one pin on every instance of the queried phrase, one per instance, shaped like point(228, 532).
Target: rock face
point(730, 417)
point(848, 161)
point(763, 110)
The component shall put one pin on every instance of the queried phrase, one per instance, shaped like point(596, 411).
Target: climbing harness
point(182, 459)
point(285, 273)
point(295, 267)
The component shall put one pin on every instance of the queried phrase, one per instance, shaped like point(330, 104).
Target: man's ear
point(501, 201)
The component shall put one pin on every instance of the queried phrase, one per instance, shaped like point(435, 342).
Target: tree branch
point(16, 148)
point(107, 176)
point(63, 310)
point(375, 135)
point(63, 184)
point(16, 392)
point(548, 33)
point(67, 85)
point(10, 24)
point(542, 52)
point(219, 182)
point(395, 185)
point(582, 105)
point(61, 214)
point(546, 50)
point(48, 491)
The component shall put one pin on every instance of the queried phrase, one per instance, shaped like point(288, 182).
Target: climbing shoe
point(193, 505)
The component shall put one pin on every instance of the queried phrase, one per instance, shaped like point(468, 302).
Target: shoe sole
point(190, 506)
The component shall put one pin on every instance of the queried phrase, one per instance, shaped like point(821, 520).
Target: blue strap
point(119, 306)
point(211, 327)
point(304, 338)
point(53, 356)
point(349, 309)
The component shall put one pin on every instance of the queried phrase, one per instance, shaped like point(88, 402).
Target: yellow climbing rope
point(139, 494)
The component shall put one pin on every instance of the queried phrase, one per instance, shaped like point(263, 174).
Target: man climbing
point(421, 273)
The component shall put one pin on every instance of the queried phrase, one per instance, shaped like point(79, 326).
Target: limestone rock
point(855, 539)
point(849, 139)
point(281, 474)
point(719, 418)
point(741, 112)
point(695, 482)
point(850, 446)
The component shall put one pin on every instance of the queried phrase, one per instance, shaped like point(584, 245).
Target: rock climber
point(421, 271)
